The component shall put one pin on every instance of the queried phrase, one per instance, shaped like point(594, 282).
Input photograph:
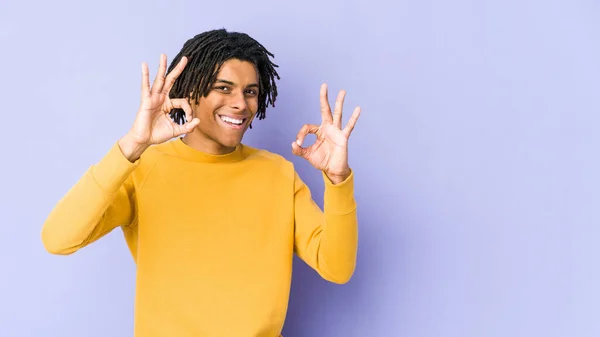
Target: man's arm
point(104, 197)
point(100, 201)
point(327, 240)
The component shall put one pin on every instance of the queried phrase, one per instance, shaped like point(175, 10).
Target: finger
point(337, 111)
point(298, 150)
point(159, 80)
point(325, 108)
point(350, 126)
point(182, 103)
point(173, 76)
point(145, 80)
point(185, 128)
point(304, 131)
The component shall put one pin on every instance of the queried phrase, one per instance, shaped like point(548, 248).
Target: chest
point(214, 210)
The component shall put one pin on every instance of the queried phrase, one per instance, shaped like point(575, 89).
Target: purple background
point(476, 157)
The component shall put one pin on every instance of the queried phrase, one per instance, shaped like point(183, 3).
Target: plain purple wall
point(476, 157)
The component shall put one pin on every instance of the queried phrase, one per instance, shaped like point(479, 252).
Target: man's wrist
point(338, 178)
point(131, 149)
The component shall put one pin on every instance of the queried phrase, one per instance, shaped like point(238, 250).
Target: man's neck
point(200, 142)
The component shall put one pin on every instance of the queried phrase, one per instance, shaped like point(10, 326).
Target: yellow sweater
point(213, 236)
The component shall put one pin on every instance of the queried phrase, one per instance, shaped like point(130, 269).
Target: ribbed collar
point(190, 153)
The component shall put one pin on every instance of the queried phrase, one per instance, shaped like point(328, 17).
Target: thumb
point(187, 127)
point(298, 150)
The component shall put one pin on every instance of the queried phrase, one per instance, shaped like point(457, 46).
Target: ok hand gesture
point(329, 153)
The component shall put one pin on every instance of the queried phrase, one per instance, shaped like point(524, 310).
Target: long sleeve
point(100, 201)
point(327, 240)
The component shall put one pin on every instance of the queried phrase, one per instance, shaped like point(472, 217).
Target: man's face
point(229, 108)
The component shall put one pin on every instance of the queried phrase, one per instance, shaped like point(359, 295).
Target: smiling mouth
point(235, 123)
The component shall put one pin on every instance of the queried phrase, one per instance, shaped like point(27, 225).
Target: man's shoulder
point(275, 163)
point(253, 153)
point(152, 155)
point(154, 152)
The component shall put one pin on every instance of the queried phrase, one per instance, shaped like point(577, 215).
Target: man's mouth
point(233, 122)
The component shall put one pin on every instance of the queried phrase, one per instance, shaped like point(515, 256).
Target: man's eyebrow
point(224, 81)
point(232, 83)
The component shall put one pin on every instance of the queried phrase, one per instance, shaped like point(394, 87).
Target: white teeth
point(232, 120)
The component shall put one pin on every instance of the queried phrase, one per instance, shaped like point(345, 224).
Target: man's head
point(229, 80)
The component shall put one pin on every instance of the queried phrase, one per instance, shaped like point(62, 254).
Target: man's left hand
point(329, 153)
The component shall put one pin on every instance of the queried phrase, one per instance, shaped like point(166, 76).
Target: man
point(212, 224)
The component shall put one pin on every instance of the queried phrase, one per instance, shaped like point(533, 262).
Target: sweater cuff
point(339, 198)
point(111, 172)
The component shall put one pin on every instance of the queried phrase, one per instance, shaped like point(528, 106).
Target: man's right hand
point(153, 125)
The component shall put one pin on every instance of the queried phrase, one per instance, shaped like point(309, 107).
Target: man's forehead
point(236, 71)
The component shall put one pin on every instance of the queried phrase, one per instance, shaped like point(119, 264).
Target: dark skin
point(217, 124)
point(234, 94)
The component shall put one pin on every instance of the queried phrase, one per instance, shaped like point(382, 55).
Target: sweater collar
point(190, 153)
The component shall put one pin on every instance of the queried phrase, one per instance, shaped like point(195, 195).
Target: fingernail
point(298, 142)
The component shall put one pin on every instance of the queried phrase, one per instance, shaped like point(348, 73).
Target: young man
point(212, 224)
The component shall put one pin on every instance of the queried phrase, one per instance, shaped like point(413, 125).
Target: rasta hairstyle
point(206, 53)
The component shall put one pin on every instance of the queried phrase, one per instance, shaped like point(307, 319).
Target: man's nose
point(237, 101)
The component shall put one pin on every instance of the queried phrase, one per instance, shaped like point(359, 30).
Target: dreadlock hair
point(206, 53)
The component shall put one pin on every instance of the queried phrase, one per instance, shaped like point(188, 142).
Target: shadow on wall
point(319, 308)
